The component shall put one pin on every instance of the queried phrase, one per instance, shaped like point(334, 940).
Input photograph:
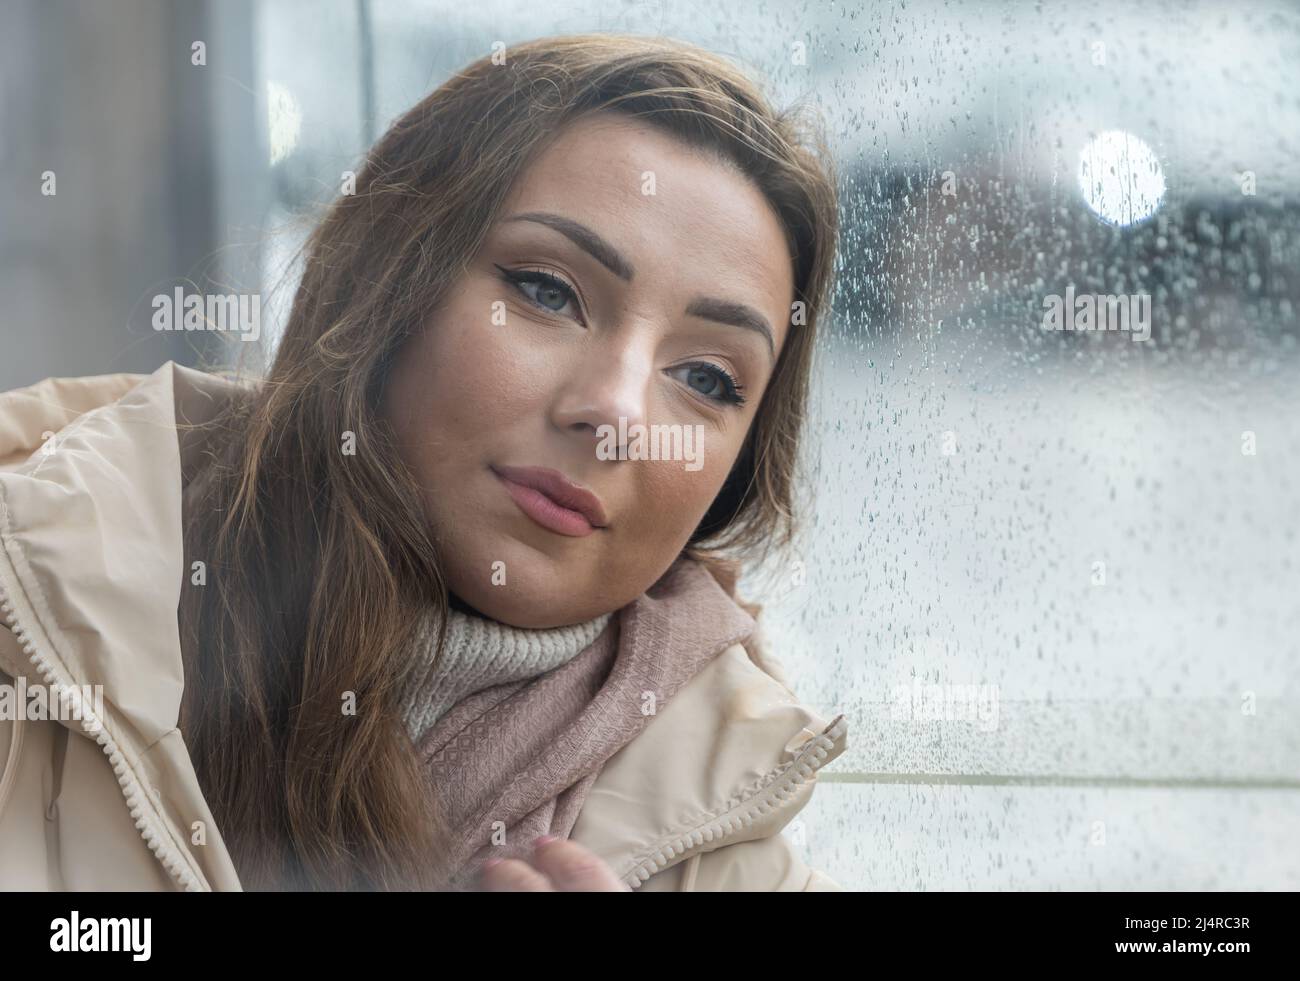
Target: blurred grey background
point(1067, 519)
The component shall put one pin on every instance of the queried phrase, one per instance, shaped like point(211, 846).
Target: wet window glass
point(1050, 565)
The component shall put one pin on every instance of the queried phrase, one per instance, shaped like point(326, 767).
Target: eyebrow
point(709, 308)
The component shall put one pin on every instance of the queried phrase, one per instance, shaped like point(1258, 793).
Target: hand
point(557, 865)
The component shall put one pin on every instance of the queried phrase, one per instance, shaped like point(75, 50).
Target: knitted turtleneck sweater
point(480, 653)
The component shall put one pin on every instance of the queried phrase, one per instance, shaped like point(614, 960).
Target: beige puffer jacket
point(90, 573)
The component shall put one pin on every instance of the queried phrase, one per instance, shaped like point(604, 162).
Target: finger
point(573, 868)
point(513, 875)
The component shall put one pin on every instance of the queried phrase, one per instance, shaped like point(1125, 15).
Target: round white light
point(1121, 177)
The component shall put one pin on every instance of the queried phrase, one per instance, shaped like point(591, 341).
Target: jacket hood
point(90, 520)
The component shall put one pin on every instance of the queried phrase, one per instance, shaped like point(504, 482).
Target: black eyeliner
point(733, 389)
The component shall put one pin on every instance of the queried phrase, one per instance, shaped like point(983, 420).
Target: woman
point(427, 592)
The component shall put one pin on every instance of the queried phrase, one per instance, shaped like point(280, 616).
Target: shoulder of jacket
point(30, 415)
point(752, 719)
point(731, 757)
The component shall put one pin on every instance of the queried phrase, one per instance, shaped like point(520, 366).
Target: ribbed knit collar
point(480, 653)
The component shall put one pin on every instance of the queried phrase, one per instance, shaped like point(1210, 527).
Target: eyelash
point(518, 277)
point(733, 390)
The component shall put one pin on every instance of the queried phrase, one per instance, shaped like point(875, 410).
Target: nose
point(608, 382)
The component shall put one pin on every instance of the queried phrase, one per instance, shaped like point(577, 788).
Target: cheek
point(673, 497)
point(467, 377)
point(466, 381)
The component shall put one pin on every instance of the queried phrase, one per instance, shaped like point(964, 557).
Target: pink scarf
point(525, 753)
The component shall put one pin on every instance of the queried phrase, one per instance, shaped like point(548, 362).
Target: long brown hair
point(319, 561)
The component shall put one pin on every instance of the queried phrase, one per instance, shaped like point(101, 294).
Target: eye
point(544, 290)
point(713, 382)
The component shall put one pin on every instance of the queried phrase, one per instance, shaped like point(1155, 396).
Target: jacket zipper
point(137, 800)
point(780, 785)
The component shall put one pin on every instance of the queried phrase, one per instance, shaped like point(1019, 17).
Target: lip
point(552, 500)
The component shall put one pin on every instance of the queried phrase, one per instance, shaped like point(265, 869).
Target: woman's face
point(630, 282)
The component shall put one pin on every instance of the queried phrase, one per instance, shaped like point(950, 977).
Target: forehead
point(674, 210)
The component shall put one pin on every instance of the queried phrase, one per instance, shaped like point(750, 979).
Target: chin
point(530, 597)
point(541, 589)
